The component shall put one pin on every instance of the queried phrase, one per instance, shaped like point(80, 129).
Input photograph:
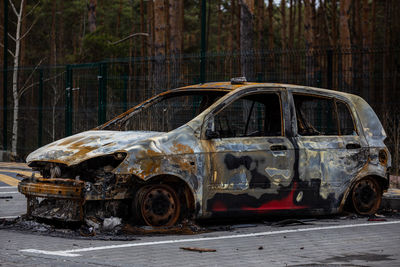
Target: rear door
point(331, 152)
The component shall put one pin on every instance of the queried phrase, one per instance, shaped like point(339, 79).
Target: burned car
point(217, 149)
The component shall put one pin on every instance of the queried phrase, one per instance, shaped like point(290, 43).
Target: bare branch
point(36, 83)
point(23, 88)
point(9, 51)
point(9, 34)
point(128, 37)
point(12, 37)
point(13, 7)
point(30, 28)
point(21, 9)
point(30, 11)
point(54, 77)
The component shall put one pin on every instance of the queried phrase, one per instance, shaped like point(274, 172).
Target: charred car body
point(217, 149)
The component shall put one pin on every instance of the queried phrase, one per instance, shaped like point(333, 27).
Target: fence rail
point(57, 101)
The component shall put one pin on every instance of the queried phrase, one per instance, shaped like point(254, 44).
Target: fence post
point(102, 109)
point(125, 94)
point(68, 101)
point(40, 108)
point(329, 63)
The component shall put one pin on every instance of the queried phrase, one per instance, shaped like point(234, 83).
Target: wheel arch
point(180, 185)
point(382, 181)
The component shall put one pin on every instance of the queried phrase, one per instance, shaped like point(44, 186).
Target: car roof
point(228, 86)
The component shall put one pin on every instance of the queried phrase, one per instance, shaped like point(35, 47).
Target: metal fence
point(57, 101)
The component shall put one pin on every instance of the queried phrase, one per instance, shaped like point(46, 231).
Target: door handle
point(278, 148)
point(353, 146)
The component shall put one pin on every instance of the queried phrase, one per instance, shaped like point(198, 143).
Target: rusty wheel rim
point(160, 206)
point(366, 196)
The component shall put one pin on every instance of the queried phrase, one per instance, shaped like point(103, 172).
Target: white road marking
point(9, 217)
point(7, 187)
point(74, 252)
point(11, 192)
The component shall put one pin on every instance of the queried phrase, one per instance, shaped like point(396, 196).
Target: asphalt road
point(333, 241)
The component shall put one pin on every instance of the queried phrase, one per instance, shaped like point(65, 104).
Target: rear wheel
point(158, 205)
point(366, 196)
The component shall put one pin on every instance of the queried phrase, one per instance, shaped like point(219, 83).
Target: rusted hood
point(82, 146)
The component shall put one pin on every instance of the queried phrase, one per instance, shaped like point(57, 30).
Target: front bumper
point(52, 188)
point(63, 198)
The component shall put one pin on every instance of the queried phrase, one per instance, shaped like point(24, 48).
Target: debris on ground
point(87, 231)
point(94, 222)
point(200, 250)
point(110, 223)
point(260, 248)
point(376, 218)
point(186, 228)
point(291, 222)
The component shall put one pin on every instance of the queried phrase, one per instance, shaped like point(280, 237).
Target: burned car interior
point(217, 149)
point(322, 116)
point(254, 115)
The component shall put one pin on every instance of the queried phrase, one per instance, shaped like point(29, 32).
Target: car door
point(331, 151)
point(251, 160)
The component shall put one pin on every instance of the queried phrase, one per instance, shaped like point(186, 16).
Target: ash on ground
point(112, 228)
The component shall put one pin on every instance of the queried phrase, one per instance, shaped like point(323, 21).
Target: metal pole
point(40, 108)
point(203, 42)
point(100, 97)
point(102, 109)
point(68, 101)
point(5, 74)
point(125, 94)
point(329, 55)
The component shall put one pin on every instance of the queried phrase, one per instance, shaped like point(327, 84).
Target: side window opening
point(252, 115)
point(346, 121)
point(315, 115)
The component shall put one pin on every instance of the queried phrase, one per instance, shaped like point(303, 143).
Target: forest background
point(71, 65)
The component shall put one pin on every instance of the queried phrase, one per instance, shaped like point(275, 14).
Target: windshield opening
point(167, 112)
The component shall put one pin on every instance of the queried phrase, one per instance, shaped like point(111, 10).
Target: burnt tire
point(158, 205)
point(366, 196)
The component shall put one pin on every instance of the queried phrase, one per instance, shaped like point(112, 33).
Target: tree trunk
point(53, 46)
point(219, 27)
point(60, 39)
point(246, 38)
point(270, 25)
point(142, 29)
point(118, 18)
point(345, 43)
point(14, 138)
point(334, 24)
point(291, 24)
point(309, 41)
point(299, 24)
point(176, 24)
point(365, 81)
point(283, 24)
point(160, 25)
point(92, 15)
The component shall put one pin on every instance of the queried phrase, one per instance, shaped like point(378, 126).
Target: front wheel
point(366, 196)
point(158, 205)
